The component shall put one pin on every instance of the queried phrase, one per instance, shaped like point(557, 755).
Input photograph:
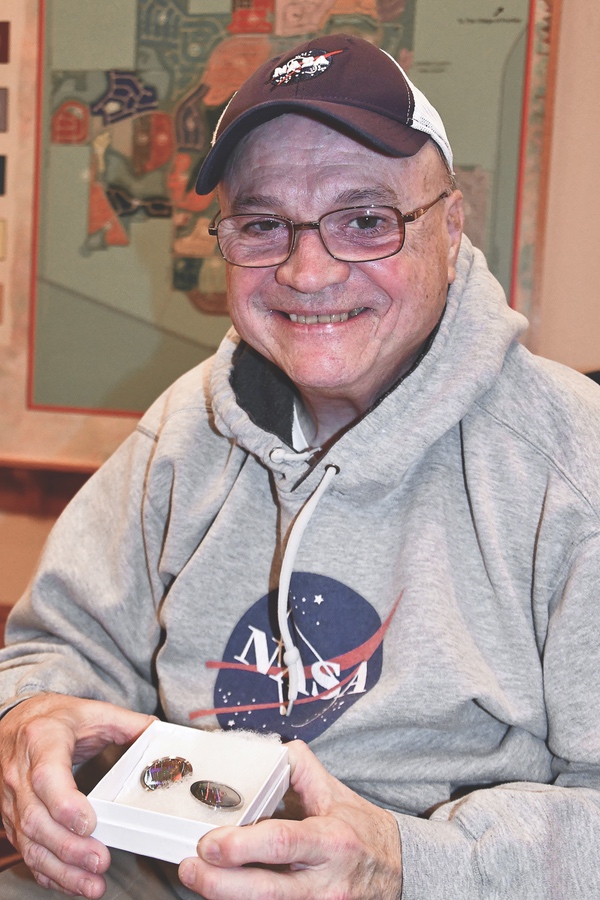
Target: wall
point(22, 537)
point(30, 502)
point(569, 328)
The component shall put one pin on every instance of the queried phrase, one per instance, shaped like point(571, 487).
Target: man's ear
point(455, 220)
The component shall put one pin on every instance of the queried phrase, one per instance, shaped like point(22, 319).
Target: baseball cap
point(345, 82)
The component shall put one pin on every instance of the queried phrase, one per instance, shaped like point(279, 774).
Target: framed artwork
point(110, 286)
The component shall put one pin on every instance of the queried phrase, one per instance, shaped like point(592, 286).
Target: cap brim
point(373, 129)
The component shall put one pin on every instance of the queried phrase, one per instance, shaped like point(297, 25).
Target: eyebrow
point(247, 202)
point(376, 195)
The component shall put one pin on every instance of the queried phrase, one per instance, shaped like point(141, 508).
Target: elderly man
point(371, 522)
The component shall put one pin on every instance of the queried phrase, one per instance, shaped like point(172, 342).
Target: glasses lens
point(254, 241)
point(363, 233)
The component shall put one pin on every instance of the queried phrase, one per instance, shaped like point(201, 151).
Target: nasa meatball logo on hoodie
point(340, 639)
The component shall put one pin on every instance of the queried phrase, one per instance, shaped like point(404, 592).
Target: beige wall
point(21, 540)
point(569, 325)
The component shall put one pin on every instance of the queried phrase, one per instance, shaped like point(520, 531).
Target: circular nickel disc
point(216, 795)
point(164, 772)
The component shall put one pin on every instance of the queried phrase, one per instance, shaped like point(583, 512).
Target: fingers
point(50, 871)
point(345, 847)
point(37, 827)
point(317, 789)
point(42, 738)
point(47, 818)
point(277, 859)
point(273, 842)
point(97, 724)
point(249, 883)
point(319, 792)
point(49, 748)
point(57, 856)
point(38, 776)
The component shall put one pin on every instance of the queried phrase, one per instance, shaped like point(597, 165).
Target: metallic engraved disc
point(164, 772)
point(216, 795)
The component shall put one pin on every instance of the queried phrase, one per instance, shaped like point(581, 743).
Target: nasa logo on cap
point(304, 65)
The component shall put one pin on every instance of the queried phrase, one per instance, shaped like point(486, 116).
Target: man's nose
point(310, 268)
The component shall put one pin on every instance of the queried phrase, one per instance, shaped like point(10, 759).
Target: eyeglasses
point(356, 234)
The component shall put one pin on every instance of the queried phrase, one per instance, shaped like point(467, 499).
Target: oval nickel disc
point(216, 794)
point(164, 772)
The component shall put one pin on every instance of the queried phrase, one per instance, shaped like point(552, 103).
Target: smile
point(326, 319)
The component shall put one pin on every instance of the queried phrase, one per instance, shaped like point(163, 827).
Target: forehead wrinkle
point(380, 195)
point(377, 195)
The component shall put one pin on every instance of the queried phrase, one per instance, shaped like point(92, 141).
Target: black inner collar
point(264, 392)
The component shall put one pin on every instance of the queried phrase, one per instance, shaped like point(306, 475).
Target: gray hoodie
point(444, 596)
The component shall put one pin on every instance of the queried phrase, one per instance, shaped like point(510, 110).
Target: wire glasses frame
point(234, 236)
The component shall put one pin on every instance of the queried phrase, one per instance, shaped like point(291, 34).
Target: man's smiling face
point(341, 331)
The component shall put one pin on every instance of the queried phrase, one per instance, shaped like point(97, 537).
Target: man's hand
point(46, 818)
point(345, 848)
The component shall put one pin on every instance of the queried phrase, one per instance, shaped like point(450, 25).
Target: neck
point(325, 416)
point(324, 419)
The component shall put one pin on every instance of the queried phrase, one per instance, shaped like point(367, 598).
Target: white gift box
point(168, 822)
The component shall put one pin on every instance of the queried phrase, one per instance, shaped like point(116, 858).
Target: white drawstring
point(279, 455)
point(291, 656)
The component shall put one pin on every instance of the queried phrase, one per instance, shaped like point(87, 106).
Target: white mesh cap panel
point(426, 118)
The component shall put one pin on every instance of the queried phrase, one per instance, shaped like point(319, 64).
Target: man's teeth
point(326, 320)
